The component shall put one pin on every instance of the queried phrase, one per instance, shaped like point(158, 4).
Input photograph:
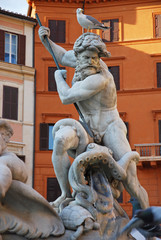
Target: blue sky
point(18, 6)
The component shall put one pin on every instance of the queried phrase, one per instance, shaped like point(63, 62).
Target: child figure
point(11, 167)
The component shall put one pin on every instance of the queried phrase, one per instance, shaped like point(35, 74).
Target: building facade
point(17, 76)
point(134, 40)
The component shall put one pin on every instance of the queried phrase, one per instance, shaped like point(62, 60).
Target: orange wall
point(136, 53)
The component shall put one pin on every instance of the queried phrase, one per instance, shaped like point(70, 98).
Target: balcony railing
point(149, 150)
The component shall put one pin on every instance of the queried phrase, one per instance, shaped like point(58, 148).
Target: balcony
point(149, 151)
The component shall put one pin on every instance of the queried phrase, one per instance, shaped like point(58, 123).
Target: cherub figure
point(11, 167)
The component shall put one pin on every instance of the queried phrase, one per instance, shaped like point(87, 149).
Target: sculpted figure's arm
point(81, 90)
point(65, 58)
point(2, 144)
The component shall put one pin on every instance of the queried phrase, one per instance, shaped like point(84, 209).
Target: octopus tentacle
point(81, 133)
point(86, 195)
point(82, 201)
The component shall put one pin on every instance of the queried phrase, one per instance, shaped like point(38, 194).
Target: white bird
point(89, 22)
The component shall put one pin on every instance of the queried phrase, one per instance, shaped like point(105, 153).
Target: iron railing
point(148, 149)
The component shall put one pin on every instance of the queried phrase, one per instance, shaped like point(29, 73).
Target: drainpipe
point(33, 65)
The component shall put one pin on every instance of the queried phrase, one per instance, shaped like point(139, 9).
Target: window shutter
point(106, 35)
point(111, 34)
point(115, 30)
point(14, 103)
point(57, 30)
point(158, 25)
point(53, 189)
point(159, 148)
point(21, 49)
point(52, 27)
point(159, 125)
point(115, 70)
point(2, 34)
point(44, 135)
point(10, 102)
point(6, 102)
point(127, 126)
point(51, 79)
point(158, 75)
point(61, 31)
point(22, 157)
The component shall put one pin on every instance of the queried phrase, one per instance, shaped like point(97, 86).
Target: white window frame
point(10, 47)
point(50, 138)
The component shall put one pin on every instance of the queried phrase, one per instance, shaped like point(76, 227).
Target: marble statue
point(11, 167)
point(22, 210)
point(103, 164)
point(94, 91)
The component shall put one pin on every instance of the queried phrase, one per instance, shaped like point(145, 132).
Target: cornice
point(55, 115)
point(149, 162)
point(138, 91)
point(30, 2)
point(17, 16)
point(16, 68)
point(155, 113)
point(119, 43)
point(155, 55)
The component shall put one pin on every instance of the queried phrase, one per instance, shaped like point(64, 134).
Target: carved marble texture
point(103, 165)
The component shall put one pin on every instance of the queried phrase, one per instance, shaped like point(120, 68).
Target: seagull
point(147, 222)
point(89, 22)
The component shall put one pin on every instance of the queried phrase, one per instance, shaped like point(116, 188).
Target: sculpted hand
point(62, 73)
point(43, 31)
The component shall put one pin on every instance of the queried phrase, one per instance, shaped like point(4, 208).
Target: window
point(111, 34)
point(158, 25)
point(10, 102)
point(57, 30)
point(51, 79)
point(159, 75)
point(22, 157)
point(127, 126)
point(115, 71)
point(50, 140)
point(46, 138)
point(159, 124)
point(158, 152)
point(12, 47)
point(53, 189)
